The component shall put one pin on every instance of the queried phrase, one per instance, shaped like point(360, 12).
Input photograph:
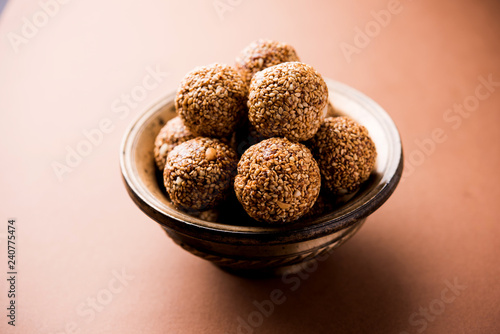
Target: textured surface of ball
point(199, 173)
point(172, 134)
point(262, 54)
point(345, 154)
point(211, 100)
point(278, 181)
point(287, 100)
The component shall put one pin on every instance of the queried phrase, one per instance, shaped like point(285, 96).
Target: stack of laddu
point(279, 105)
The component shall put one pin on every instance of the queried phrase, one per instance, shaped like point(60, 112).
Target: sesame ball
point(172, 134)
point(345, 154)
point(287, 100)
point(262, 54)
point(211, 100)
point(199, 172)
point(278, 181)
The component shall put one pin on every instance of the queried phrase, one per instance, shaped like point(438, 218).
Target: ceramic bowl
point(234, 241)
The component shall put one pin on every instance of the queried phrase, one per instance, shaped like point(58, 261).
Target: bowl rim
point(227, 233)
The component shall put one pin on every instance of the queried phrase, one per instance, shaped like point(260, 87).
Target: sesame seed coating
point(199, 173)
point(262, 54)
point(172, 134)
point(278, 181)
point(287, 100)
point(345, 154)
point(211, 100)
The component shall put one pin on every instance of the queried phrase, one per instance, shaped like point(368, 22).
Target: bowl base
point(270, 267)
point(265, 273)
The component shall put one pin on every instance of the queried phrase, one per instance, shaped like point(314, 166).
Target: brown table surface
point(90, 262)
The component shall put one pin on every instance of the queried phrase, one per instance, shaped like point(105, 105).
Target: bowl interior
point(144, 180)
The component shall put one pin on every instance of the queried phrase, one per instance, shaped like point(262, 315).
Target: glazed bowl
point(235, 242)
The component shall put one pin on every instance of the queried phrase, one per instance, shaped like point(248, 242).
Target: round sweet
point(262, 54)
point(278, 181)
point(199, 173)
point(211, 100)
point(287, 100)
point(345, 154)
point(172, 134)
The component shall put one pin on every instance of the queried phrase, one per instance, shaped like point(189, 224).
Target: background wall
point(90, 262)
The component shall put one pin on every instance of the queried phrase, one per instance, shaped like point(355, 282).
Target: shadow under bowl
point(236, 242)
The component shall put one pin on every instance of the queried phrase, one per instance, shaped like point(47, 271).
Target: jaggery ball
point(262, 54)
point(172, 134)
point(278, 181)
point(199, 173)
point(211, 100)
point(345, 154)
point(287, 100)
